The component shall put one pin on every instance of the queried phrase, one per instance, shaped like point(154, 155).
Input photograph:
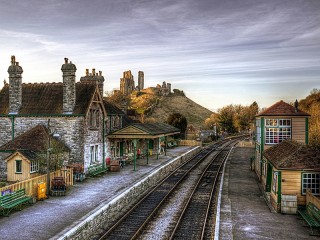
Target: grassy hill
point(160, 107)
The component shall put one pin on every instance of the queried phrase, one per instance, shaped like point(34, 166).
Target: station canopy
point(145, 130)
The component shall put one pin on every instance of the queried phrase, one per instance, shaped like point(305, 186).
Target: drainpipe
point(12, 127)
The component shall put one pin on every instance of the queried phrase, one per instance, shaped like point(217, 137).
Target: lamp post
point(134, 154)
point(48, 161)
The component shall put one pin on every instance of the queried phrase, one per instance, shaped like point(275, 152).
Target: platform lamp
point(56, 135)
point(134, 154)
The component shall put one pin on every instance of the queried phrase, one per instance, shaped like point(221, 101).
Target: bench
point(95, 170)
point(14, 200)
point(311, 215)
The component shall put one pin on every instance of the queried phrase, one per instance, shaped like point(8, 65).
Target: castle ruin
point(127, 84)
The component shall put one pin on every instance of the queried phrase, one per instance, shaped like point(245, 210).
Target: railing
point(31, 185)
point(313, 199)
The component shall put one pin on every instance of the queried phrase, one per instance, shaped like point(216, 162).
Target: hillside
point(195, 114)
point(160, 107)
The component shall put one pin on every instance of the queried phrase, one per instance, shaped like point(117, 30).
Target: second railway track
point(204, 168)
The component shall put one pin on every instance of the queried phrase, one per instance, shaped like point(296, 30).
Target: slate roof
point(47, 98)
point(156, 128)
point(282, 109)
point(34, 140)
point(294, 156)
point(111, 108)
point(30, 155)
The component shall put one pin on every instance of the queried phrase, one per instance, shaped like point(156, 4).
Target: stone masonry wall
point(122, 203)
point(70, 129)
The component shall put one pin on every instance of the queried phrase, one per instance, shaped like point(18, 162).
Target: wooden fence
point(189, 143)
point(313, 199)
point(31, 185)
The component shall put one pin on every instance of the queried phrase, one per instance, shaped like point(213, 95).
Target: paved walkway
point(244, 212)
point(50, 218)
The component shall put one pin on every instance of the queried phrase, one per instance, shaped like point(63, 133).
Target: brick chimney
point(15, 86)
point(69, 86)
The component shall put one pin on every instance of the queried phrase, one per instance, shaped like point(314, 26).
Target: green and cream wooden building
point(275, 124)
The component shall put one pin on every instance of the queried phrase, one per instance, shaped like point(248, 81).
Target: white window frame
point(277, 130)
point(34, 166)
point(91, 154)
point(94, 154)
point(258, 131)
point(310, 180)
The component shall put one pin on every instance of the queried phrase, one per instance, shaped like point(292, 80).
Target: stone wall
point(121, 204)
point(70, 129)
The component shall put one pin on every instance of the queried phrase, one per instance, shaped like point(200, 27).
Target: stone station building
point(73, 110)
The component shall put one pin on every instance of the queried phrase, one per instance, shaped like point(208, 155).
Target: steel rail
point(180, 175)
point(197, 187)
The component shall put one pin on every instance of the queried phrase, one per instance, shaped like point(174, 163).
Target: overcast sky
point(218, 52)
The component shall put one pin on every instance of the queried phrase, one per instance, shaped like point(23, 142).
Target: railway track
point(132, 224)
point(192, 223)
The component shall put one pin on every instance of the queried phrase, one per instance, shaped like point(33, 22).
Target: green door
point(269, 177)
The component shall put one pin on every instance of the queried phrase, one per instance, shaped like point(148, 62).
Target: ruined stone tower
point(94, 77)
point(169, 87)
point(69, 87)
point(140, 80)
point(126, 83)
point(15, 86)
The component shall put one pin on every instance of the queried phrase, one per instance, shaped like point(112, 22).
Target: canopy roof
point(145, 130)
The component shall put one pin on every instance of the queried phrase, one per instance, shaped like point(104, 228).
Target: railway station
point(241, 202)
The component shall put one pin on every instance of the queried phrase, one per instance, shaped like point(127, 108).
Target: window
point(277, 130)
point(34, 166)
point(264, 168)
point(94, 150)
point(96, 153)
point(94, 118)
point(275, 182)
point(18, 166)
point(258, 131)
point(91, 154)
point(311, 181)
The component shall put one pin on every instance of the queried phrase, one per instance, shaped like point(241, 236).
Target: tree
point(226, 119)
point(179, 121)
point(311, 105)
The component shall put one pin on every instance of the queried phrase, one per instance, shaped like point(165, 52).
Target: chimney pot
point(100, 73)
point(87, 72)
point(65, 60)
point(93, 71)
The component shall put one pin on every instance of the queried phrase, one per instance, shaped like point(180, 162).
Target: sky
point(217, 52)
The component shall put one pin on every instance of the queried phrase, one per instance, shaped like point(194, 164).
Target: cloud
point(198, 46)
